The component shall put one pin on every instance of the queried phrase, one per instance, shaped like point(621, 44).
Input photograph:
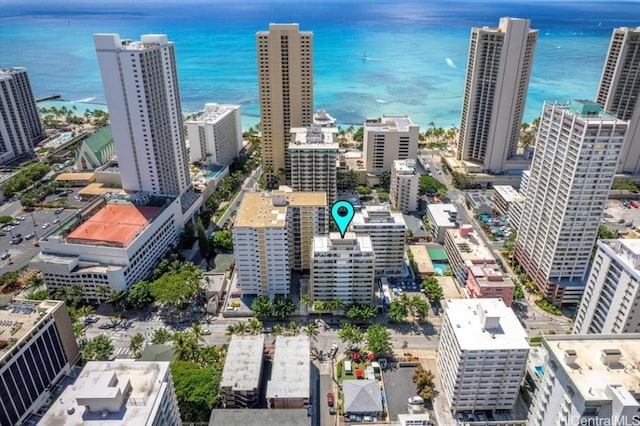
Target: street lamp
point(34, 221)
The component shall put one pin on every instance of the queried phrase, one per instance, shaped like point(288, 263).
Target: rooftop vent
point(570, 356)
point(610, 355)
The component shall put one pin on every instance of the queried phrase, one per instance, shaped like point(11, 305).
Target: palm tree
point(335, 304)
point(136, 345)
point(305, 301)
point(77, 290)
point(311, 330)
point(63, 293)
point(185, 346)
point(255, 326)
point(279, 330)
point(103, 292)
point(115, 299)
point(160, 336)
point(197, 332)
point(85, 311)
point(293, 328)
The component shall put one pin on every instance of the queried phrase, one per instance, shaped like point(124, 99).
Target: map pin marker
point(342, 212)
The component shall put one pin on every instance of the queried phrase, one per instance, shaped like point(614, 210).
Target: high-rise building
point(588, 380)
point(20, 125)
point(117, 392)
point(388, 232)
point(215, 134)
point(37, 349)
point(403, 193)
point(619, 91)
point(313, 152)
point(612, 295)
point(386, 139)
point(577, 152)
point(343, 268)
point(141, 87)
point(482, 355)
point(498, 72)
point(285, 80)
point(272, 234)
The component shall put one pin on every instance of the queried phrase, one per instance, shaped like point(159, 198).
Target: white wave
point(84, 100)
point(450, 63)
point(546, 33)
point(381, 101)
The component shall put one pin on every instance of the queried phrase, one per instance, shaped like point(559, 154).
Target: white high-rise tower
point(141, 87)
point(577, 152)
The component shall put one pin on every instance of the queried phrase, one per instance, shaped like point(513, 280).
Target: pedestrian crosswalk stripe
point(121, 352)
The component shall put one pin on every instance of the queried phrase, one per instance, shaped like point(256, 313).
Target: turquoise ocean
point(416, 51)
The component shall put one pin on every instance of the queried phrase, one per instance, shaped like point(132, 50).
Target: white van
point(347, 368)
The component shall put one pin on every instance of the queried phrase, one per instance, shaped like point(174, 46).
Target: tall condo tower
point(20, 125)
point(619, 91)
point(285, 79)
point(576, 156)
point(141, 87)
point(498, 71)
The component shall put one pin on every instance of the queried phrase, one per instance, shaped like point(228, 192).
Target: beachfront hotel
point(343, 268)
point(140, 82)
point(37, 349)
point(215, 134)
point(285, 80)
point(612, 295)
point(313, 153)
point(20, 125)
point(114, 242)
point(272, 234)
point(619, 91)
point(482, 355)
point(577, 152)
point(386, 139)
point(588, 380)
point(498, 72)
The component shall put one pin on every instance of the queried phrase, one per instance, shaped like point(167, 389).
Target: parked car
point(29, 236)
point(56, 220)
point(106, 326)
point(416, 400)
point(91, 320)
point(59, 210)
point(5, 256)
point(46, 225)
point(206, 332)
point(16, 240)
point(330, 399)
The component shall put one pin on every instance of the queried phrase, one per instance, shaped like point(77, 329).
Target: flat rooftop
point(440, 214)
point(212, 113)
point(465, 316)
point(351, 241)
point(378, 216)
point(422, 258)
point(114, 225)
point(104, 384)
point(405, 167)
point(291, 372)
point(258, 210)
point(507, 192)
point(19, 317)
point(259, 417)
point(314, 137)
point(243, 364)
point(490, 276)
point(588, 372)
point(470, 247)
point(626, 251)
point(85, 176)
point(397, 123)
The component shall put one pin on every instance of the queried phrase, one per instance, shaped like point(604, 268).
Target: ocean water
point(416, 51)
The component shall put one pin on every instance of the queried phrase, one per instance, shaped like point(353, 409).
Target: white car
point(46, 225)
point(416, 400)
point(206, 332)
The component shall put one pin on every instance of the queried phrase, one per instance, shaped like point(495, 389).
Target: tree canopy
point(99, 348)
point(430, 185)
point(177, 287)
point(361, 312)
point(139, 295)
point(432, 289)
point(378, 339)
point(223, 240)
point(196, 389)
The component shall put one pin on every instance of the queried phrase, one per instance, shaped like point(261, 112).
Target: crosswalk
point(121, 352)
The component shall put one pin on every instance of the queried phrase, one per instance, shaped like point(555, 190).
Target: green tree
point(254, 326)
point(358, 136)
point(351, 335)
point(423, 380)
point(136, 344)
point(361, 312)
point(311, 330)
point(385, 181)
point(282, 307)
point(397, 311)
point(197, 332)
point(348, 180)
point(421, 307)
point(196, 389)
point(203, 241)
point(430, 185)
point(38, 295)
point(432, 289)
point(177, 287)
point(139, 296)
point(378, 339)
point(305, 301)
point(363, 190)
point(99, 348)
point(223, 240)
point(185, 346)
point(262, 307)
point(161, 336)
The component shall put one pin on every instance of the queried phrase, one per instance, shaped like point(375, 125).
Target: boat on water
point(364, 56)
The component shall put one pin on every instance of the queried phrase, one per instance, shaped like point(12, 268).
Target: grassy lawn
point(341, 375)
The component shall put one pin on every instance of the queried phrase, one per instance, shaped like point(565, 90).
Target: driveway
point(398, 383)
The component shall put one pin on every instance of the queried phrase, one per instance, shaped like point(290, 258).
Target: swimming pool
point(539, 370)
point(441, 268)
point(64, 137)
point(214, 172)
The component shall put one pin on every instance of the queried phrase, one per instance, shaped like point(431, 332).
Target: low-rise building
point(215, 134)
point(482, 355)
point(422, 259)
point(403, 193)
point(119, 392)
point(114, 243)
point(37, 349)
point(343, 268)
point(588, 380)
point(441, 217)
point(504, 196)
point(242, 372)
point(488, 282)
point(259, 417)
point(362, 398)
point(96, 150)
point(290, 384)
point(464, 249)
